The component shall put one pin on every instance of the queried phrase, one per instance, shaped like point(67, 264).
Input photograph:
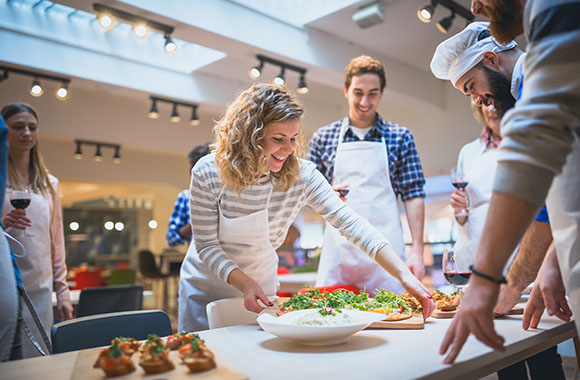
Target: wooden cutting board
point(413, 323)
point(83, 369)
point(517, 310)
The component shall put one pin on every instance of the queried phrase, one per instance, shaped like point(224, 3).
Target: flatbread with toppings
point(394, 306)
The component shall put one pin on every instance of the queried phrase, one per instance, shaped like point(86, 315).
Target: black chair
point(98, 330)
point(148, 266)
point(149, 270)
point(110, 299)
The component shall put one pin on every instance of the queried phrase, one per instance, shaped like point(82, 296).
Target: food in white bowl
point(313, 328)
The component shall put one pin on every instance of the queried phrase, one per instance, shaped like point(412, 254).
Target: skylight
point(296, 12)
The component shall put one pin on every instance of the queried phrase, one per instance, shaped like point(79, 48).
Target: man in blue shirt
point(179, 230)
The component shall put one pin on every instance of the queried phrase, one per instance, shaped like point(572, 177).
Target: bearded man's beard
point(505, 19)
point(499, 87)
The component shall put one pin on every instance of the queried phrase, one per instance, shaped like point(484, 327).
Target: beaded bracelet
point(501, 280)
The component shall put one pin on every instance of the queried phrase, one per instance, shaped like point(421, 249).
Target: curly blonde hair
point(239, 144)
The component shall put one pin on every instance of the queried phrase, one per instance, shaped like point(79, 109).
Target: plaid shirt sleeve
point(407, 177)
point(322, 149)
point(179, 218)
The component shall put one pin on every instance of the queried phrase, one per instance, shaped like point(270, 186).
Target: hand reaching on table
point(251, 290)
point(475, 316)
point(507, 299)
point(548, 293)
point(417, 289)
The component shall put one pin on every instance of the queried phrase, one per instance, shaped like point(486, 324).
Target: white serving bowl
point(285, 327)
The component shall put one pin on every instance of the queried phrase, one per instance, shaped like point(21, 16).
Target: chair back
point(229, 312)
point(147, 265)
point(98, 330)
point(110, 299)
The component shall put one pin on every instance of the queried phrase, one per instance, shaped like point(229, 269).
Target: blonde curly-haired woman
point(245, 196)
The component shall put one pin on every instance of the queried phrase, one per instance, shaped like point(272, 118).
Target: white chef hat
point(458, 54)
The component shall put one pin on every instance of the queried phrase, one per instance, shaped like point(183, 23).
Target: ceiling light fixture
point(153, 112)
point(194, 122)
point(302, 87)
point(445, 23)
point(174, 115)
point(279, 79)
point(36, 89)
point(62, 92)
point(106, 21)
point(78, 151)
point(256, 71)
point(117, 155)
point(140, 29)
point(141, 25)
point(425, 14)
point(98, 157)
point(170, 46)
point(174, 118)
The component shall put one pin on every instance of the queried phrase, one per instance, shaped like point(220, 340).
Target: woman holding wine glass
point(32, 214)
point(474, 176)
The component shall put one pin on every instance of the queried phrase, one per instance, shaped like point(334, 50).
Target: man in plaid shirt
point(179, 230)
point(376, 161)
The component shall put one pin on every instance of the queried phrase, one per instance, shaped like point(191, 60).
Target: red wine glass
point(20, 199)
point(457, 278)
point(460, 183)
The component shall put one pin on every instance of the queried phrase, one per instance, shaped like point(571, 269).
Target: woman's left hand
point(417, 289)
point(65, 310)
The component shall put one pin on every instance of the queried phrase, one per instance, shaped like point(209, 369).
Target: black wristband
point(501, 280)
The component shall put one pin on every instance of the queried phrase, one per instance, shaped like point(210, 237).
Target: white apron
point(364, 167)
point(35, 265)
point(563, 203)
point(254, 255)
point(480, 176)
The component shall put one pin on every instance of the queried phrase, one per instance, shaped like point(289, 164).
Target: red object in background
point(282, 270)
point(330, 288)
point(86, 278)
point(284, 294)
point(123, 266)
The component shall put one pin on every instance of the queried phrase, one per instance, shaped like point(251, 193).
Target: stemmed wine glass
point(456, 277)
point(20, 199)
point(459, 182)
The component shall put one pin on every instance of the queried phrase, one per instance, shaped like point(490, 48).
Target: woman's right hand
point(17, 219)
point(251, 290)
point(419, 291)
point(459, 203)
point(458, 200)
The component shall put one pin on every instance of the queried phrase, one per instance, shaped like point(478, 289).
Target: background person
point(378, 161)
point(246, 195)
point(43, 266)
point(179, 229)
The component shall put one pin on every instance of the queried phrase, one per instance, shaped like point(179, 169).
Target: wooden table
point(370, 354)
